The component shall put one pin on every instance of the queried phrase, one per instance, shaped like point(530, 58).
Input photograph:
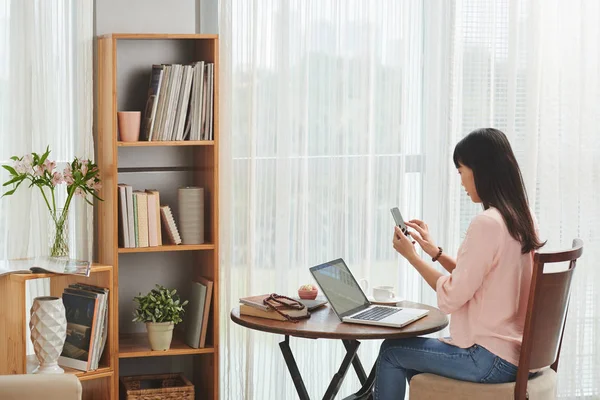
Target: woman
point(487, 290)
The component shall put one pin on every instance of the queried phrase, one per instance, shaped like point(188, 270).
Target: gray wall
point(145, 16)
point(156, 16)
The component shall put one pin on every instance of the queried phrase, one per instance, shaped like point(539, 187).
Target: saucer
point(390, 302)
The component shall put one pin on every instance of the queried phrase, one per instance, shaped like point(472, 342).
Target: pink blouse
point(487, 292)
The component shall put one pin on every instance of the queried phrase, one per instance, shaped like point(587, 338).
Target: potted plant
point(161, 310)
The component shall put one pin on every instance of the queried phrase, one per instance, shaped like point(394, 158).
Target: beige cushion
point(433, 387)
point(40, 387)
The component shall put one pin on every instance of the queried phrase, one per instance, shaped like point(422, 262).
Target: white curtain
point(46, 68)
point(334, 112)
point(531, 68)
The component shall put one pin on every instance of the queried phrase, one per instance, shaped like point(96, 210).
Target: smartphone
point(399, 220)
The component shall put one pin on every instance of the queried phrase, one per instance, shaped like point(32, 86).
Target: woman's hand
point(404, 246)
point(422, 236)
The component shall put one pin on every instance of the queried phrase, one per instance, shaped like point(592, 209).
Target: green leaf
point(10, 169)
point(45, 155)
point(15, 158)
point(159, 305)
point(13, 180)
point(9, 192)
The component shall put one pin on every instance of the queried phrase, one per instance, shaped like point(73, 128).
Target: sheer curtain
point(532, 69)
point(320, 138)
point(334, 112)
point(45, 100)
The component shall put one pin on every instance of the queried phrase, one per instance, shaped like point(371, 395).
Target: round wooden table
point(324, 324)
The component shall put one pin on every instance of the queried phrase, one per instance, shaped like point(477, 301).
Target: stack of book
point(197, 313)
point(140, 215)
point(254, 306)
point(86, 310)
point(180, 102)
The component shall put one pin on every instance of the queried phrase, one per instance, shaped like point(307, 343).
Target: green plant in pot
point(161, 309)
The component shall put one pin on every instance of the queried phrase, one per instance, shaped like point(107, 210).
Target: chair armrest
point(40, 387)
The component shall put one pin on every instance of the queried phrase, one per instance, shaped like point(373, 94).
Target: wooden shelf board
point(142, 36)
point(173, 143)
point(167, 247)
point(136, 345)
point(25, 277)
point(101, 372)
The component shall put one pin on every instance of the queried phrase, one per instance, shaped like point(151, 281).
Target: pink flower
point(94, 184)
point(84, 169)
point(28, 159)
point(79, 192)
point(49, 165)
point(38, 170)
point(57, 179)
point(20, 167)
point(68, 175)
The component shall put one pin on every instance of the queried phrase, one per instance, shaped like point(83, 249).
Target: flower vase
point(48, 326)
point(58, 229)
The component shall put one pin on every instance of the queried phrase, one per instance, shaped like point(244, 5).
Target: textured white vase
point(48, 326)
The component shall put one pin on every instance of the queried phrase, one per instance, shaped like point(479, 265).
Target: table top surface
point(324, 324)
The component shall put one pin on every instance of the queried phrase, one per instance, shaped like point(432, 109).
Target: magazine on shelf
point(42, 265)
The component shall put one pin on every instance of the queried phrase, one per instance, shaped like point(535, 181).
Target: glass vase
point(58, 229)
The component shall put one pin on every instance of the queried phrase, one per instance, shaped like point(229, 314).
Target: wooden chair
point(542, 338)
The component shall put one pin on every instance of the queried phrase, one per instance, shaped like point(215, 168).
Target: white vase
point(160, 335)
point(48, 326)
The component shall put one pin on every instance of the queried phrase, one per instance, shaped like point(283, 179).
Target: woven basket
point(156, 387)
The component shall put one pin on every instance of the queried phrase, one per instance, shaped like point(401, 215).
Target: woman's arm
point(425, 240)
point(430, 274)
point(449, 263)
point(404, 246)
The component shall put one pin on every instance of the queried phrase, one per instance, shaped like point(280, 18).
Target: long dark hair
point(499, 182)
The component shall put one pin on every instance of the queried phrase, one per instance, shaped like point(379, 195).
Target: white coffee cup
point(384, 293)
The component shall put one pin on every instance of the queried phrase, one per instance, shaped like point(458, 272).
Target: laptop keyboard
point(376, 313)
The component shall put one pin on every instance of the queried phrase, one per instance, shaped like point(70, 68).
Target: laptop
point(350, 303)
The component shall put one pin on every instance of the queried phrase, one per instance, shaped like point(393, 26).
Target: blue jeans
point(400, 359)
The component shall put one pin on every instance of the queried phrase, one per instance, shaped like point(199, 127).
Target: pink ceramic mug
point(129, 125)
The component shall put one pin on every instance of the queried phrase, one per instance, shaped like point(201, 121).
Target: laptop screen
point(340, 287)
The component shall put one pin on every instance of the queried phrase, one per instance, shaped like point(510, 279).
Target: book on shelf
point(170, 225)
point(180, 103)
point(40, 265)
point(139, 217)
point(99, 323)
point(153, 217)
point(198, 312)
point(152, 102)
point(82, 316)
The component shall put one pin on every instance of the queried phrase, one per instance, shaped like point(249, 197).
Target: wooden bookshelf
point(174, 143)
point(136, 345)
point(98, 384)
point(124, 66)
point(167, 247)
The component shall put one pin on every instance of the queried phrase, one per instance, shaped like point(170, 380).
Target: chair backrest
point(546, 314)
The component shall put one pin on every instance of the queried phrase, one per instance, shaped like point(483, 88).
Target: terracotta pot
point(129, 125)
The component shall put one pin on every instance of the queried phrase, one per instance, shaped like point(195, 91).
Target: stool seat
point(542, 386)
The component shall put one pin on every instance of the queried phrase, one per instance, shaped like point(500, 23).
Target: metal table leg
point(366, 391)
point(358, 368)
point(351, 358)
point(293, 368)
